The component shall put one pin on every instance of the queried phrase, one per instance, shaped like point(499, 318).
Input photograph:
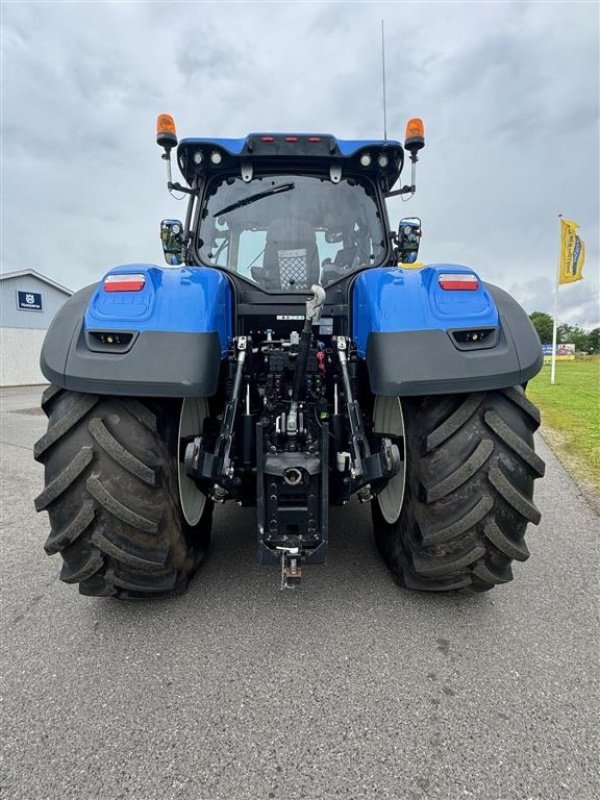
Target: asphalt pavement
point(348, 687)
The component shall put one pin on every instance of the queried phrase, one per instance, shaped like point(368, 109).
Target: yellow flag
point(572, 253)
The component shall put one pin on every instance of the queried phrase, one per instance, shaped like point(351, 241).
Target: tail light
point(458, 282)
point(133, 282)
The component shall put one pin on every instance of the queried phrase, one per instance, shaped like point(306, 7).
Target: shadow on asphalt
point(353, 576)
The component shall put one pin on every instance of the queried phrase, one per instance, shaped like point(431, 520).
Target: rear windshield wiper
point(284, 187)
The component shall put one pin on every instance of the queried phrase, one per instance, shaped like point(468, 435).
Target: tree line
point(584, 341)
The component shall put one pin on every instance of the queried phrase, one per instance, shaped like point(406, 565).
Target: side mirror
point(409, 238)
point(171, 233)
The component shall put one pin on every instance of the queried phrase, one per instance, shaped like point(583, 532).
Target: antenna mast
point(383, 75)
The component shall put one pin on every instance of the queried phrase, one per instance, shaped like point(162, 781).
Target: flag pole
point(555, 326)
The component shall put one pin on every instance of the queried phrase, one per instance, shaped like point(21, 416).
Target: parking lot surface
point(348, 687)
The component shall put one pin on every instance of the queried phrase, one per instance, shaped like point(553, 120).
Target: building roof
point(22, 272)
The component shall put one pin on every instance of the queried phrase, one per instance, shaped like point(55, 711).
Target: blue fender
point(418, 338)
point(183, 300)
point(167, 339)
point(393, 299)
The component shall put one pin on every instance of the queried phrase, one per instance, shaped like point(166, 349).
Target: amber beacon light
point(415, 135)
point(166, 134)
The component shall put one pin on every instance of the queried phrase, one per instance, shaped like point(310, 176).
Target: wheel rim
point(388, 418)
point(193, 501)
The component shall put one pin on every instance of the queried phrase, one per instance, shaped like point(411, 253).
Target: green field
point(571, 414)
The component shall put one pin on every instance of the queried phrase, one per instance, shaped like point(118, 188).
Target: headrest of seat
point(291, 231)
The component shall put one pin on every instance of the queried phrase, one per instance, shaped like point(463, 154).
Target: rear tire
point(468, 492)
point(112, 492)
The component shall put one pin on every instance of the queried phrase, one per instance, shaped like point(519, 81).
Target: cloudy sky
point(508, 91)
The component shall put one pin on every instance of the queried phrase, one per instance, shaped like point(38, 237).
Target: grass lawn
point(571, 414)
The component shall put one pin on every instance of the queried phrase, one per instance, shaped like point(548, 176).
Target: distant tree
point(594, 340)
point(584, 341)
point(573, 334)
point(565, 333)
point(581, 339)
point(543, 323)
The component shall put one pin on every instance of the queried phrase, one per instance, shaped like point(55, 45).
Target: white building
point(28, 303)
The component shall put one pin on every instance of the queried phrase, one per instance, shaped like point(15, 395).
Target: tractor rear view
point(288, 358)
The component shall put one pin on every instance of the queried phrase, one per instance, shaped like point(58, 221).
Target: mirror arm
point(187, 234)
point(190, 209)
point(166, 156)
point(404, 190)
point(179, 188)
point(396, 247)
point(413, 177)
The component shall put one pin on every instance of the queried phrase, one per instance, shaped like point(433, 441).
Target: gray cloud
point(508, 91)
point(577, 305)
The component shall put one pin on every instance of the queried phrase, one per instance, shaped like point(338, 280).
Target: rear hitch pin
point(291, 572)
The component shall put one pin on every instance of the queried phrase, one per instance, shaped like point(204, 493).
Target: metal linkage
point(359, 444)
point(314, 306)
point(365, 467)
point(226, 436)
point(200, 463)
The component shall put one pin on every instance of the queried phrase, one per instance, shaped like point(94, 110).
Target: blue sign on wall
point(29, 301)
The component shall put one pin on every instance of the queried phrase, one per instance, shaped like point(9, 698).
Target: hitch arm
point(216, 466)
point(358, 440)
point(366, 466)
point(226, 435)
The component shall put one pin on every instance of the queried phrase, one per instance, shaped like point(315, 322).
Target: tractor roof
point(274, 151)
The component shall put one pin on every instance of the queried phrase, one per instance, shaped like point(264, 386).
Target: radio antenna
point(383, 76)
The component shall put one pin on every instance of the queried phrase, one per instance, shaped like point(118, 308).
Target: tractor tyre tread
point(468, 497)
point(112, 495)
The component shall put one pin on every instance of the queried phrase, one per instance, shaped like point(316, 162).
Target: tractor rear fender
point(419, 338)
point(163, 335)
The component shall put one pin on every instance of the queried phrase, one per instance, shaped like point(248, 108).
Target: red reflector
point(124, 283)
point(314, 138)
point(291, 138)
point(453, 283)
point(267, 138)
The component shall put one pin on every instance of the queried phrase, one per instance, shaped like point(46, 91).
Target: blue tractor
point(291, 356)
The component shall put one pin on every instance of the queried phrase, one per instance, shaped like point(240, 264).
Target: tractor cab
point(285, 211)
